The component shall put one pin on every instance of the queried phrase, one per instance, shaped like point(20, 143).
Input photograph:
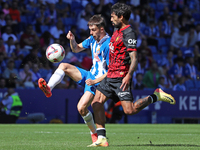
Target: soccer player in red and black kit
point(122, 64)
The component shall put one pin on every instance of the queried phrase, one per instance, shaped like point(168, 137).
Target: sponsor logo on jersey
point(132, 42)
point(96, 57)
point(98, 51)
point(121, 94)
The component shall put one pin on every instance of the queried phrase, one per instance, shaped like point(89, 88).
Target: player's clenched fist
point(70, 35)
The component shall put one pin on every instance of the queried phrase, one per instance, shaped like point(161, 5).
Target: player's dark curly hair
point(97, 20)
point(121, 9)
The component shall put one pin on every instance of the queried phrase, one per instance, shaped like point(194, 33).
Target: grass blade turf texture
point(120, 137)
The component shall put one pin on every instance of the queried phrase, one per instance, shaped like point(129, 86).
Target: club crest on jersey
point(117, 38)
point(121, 73)
point(132, 42)
point(98, 51)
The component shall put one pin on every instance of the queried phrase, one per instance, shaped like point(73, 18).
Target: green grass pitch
point(120, 137)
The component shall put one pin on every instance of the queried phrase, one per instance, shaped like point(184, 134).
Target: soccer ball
point(55, 53)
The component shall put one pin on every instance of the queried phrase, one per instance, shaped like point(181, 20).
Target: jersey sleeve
point(86, 42)
point(106, 53)
point(130, 41)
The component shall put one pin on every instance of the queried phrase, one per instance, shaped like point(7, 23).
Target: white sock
point(56, 78)
point(88, 119)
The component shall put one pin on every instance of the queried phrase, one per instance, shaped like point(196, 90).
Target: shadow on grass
point(160, 145)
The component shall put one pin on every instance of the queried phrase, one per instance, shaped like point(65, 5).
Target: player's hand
point(90, 82)
point(125, 83)
point(70, 35)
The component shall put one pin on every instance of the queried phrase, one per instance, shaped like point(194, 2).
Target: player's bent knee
point(63, 66)
point(129, 112)
point(82, 110)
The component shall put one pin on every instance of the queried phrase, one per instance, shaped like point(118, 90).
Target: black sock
point(101, 132)
point(154, 97)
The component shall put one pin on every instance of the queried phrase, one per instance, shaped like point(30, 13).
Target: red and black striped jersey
point(121, 43)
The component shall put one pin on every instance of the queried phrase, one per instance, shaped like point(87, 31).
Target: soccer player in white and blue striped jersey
point(98, 42)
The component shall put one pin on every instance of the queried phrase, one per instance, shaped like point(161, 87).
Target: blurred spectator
point(177, 5)
point(168, 26)
point(160, 29)
point(143, 15)
point(2, 63)
point(8, 33)
point(31, 58)
point(138, 84)
point(185, 18)
point(151, 77)
point(40, 16)
point(35, 74)
point(26, 77)
point(179, 39)
point(176, 71)
point(2, 47)
point(134, 17)
point(5, 8)
point(198, 34)
point(10, 48)
point(10, 107)
point(179, 86)
point(83, 23)
point(176, 26)
point(197, 57)
point(162, 83)
point(11, 75)
point(165, 14)
point(2, 19)
point(190, 71)
point(167, 79)
point(151, 16)
point(2, 83)
point(14, 12)
point(57, 30)
point(151, 31)
point(63, 9)
point(52, 18)
point(192, 36)
point(168, 60)
point(179, 54)
point(29, 37)
point(145, 49)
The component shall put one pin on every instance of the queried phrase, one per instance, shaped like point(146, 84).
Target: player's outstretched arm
point(127, 79)
point(74, 46)
point(97, 80)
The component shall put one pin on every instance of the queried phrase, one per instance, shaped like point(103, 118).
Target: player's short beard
point(119, 25)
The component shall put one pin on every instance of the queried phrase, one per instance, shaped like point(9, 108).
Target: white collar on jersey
point(103, 39)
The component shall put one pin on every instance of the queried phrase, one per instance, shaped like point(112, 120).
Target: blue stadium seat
point(44, 28)
point(190, 86)
point(197, 84)
point(161, 42)
point(152, 5)
point(196, 16)
point(24, 19)
point(153, 49)
point(164, 49)
point(160, 6)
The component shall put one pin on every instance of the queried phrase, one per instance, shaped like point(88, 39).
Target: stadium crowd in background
point(168, 40)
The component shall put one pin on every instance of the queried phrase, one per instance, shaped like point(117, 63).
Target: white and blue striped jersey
point(100, 54)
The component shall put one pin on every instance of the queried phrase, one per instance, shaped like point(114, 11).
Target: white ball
point(55, 53)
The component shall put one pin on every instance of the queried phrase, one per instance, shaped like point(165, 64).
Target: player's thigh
point(85, 100)
point(71, 71)
point(99, 98)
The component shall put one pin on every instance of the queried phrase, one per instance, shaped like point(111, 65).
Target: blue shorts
point(87, 75)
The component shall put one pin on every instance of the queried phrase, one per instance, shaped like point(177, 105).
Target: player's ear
point(101, 29)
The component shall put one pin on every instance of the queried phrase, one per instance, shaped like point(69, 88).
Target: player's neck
point(124, 24)
point(101, 37)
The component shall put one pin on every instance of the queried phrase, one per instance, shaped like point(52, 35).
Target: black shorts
point(110, 87)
